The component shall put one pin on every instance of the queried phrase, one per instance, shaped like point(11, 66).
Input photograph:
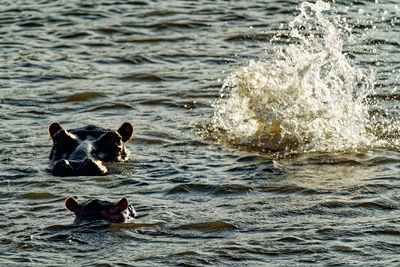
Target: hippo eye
point(63, 143)
point(118, 141)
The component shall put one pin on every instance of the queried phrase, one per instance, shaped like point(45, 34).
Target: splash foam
point(306, 97)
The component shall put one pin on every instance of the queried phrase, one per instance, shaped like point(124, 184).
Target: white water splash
point(307, 98)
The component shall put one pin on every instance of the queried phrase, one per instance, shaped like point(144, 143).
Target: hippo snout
point(78, 168)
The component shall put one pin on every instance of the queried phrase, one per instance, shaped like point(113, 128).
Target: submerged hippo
point(83, 151)
point(99, 210)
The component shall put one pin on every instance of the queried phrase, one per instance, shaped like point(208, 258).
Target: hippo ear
point(54, 128)
point(72, 204)
point(121, 206)
point(126, 131)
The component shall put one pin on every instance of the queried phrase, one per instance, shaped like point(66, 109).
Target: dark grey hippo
point(82, 151)
point(99, 210)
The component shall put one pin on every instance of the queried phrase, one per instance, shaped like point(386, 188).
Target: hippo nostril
point(91, 167)
point(62, 168)
point(63, 162)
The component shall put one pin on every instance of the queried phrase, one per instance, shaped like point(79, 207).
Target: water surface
point(266, 132)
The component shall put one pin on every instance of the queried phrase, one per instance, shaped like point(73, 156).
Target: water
point(296, 163)
point(305, 96)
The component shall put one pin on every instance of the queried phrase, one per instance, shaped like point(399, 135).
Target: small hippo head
point(98, 210)
point(82, 151)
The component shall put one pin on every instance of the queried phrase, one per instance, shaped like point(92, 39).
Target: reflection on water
point(315, 82)
point(339, 171)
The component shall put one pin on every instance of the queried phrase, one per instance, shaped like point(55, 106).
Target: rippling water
point(266, 132)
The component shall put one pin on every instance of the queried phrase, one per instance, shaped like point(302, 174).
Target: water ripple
point(161, 65)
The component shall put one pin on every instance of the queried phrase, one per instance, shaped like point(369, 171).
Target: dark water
point(161, 65)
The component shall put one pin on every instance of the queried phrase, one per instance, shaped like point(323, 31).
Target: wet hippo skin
point(99, 210)
point(82, 151)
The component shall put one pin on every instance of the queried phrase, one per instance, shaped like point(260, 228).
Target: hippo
point(82, 151)
point(101, 211)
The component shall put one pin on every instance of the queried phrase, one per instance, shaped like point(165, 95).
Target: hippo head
point(98, 210)
point(82, 151)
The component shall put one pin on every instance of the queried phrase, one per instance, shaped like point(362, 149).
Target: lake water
point(266, 132)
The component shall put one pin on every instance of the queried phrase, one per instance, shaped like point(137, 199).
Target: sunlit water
point(265, 132)
point(305, 97)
